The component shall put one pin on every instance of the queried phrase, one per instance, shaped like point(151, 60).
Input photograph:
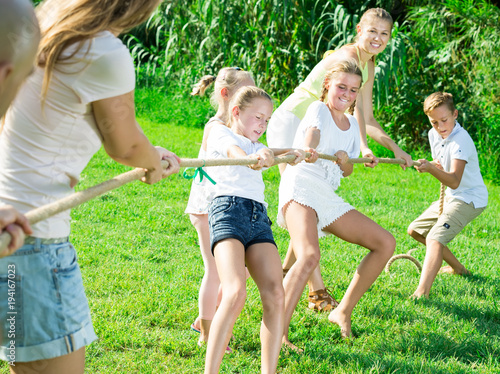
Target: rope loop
point(407, 256)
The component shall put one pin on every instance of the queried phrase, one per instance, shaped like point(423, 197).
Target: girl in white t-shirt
point(309, 207)
point(80, 96)
point(227, 82)
point(240, 231)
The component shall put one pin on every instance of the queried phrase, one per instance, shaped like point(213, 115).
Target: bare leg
point(209, 288)
point(230, 260)
point(432, 264)
point(356, 228)
point(448, 256)
point(289, 257)
point(315, 281)
point(264, 262)
point(71, 363)
point(301, 222)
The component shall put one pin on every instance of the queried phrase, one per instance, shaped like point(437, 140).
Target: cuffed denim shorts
point(233, 217)
point(44, 312)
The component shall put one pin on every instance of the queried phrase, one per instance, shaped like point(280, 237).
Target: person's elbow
point(122, 154)
point(370, 121)
point(127, 152)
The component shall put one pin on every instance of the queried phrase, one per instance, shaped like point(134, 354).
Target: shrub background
point(446, 45)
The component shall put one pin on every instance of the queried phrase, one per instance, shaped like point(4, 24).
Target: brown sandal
point(322, 301)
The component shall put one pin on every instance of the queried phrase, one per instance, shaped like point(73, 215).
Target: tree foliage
point(450, 45)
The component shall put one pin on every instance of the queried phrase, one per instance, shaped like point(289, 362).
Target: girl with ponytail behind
point(227, 82)
point(80, 96)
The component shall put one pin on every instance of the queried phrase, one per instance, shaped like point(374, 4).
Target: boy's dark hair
point(437, 99)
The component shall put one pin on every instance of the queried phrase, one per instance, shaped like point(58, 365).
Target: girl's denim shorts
point(233, 217)
point(44, 312)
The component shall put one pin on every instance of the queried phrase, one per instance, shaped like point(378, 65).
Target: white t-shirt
point(314, 184)
point(234, 180)
point(43, 151)
point(460, 146)
point(332, 140)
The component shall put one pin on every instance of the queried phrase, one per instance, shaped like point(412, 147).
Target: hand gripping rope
point(78, 198)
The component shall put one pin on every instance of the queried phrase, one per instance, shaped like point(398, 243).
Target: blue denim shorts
point(233, 217)
point(44, 312)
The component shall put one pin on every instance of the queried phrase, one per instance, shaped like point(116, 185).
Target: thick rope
point(441, 198)
point(408, 255)
point(78, 198)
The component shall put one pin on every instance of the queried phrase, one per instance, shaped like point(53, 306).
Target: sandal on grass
point(322, 301)
point(193, 327)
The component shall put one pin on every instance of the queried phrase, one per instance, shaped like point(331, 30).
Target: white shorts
point(282, 128)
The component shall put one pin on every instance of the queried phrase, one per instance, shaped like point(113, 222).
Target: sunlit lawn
point(142, 267)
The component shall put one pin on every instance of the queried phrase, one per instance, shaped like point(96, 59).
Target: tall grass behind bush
point(280, 41)
point(450, 45)
point(184, 40)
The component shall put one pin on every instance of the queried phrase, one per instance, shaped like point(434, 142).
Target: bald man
point(19, 38)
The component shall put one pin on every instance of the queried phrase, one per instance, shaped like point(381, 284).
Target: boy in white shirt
point(455, 164)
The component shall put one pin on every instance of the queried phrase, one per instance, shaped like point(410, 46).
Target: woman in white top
point(309, 207)
point(81, 96)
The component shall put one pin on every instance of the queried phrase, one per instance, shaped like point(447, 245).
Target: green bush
point(277, 40)
point(450, 45)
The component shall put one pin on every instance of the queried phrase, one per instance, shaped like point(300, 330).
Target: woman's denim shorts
point(233, 217)
point(44, 312)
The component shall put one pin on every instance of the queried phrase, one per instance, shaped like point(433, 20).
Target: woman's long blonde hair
point(65, 22)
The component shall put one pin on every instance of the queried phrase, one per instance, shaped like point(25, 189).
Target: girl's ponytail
point(200, 88)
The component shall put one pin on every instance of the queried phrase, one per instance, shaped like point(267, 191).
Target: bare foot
point(202, 343)
point(344, 322)
point(417, 295)
point(288, 344)
point(449, 270)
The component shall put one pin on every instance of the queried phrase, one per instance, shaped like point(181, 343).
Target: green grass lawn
point(142, 267)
